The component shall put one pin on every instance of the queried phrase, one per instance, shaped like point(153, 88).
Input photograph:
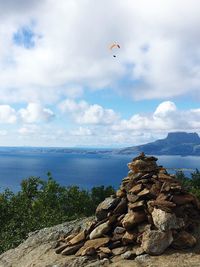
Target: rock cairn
point(150, 212)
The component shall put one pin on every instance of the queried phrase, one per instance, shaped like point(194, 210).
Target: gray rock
point(128, 255)
point(38, 248)
point(104, 207)
point(155, 242)
point(165, 221)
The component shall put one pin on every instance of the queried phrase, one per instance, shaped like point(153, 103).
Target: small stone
point(104, 207)
point(89, 251)
point(144, 257)
point(71, 249)
point(96, 243)
point(119, 251)
point(136, 205)
point(100, 230)
point(129, 238)
point(128, 255)
point(144, 192)
point(61, 248)
point(105, 250)
point(68, 238)
point(78, 238)
point(139, 251)
point(131, 219)
point(102, 255)
point(119, 230)
point(136, 188)
point(132, 197)
point(120, 193)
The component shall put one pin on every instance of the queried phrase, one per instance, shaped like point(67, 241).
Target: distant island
point(176, 143)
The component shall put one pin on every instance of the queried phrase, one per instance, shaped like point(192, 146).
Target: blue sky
point(61, 86)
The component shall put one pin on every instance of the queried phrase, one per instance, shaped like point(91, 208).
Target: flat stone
point(104, 207)
point(61, 248)
point(120, 193)
point(136, 188)
point(100, 230)
point(68, 238)
point(96, 243)
point(121, 207)
point(132, 197)
point(105, 250)
point(115, 244)
point(78, 238)
point(129, 238)
point(131, 219)
point(165, 221)
point(70, 250)
point(136, 205)
point(89, 251)
point(155, 242)
point(144, 192)
point(119, 251)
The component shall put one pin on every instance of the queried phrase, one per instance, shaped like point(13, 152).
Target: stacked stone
point(150, 212)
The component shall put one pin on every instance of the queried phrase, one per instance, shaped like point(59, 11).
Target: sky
point(61, 86)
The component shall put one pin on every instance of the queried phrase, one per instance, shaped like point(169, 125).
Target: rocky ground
point(38, 251)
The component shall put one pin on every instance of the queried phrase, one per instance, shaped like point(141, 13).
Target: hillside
point(176, 143)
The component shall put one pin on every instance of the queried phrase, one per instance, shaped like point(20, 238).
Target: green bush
point(41, 204)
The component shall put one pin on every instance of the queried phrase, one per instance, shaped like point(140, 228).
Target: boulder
point(154, 242)
point(165, 221)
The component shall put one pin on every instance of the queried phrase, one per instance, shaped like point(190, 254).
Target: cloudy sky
point(61, 86)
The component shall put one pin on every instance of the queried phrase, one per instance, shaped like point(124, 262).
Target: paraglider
point(113, 48)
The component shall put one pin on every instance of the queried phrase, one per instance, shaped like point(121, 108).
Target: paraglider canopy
point(113, 47)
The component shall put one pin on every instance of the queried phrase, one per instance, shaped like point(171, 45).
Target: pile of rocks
point(150, 212)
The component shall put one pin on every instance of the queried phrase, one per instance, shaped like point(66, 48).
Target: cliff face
point(177, 143)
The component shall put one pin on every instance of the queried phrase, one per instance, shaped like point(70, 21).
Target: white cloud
point(166, 117)
point(35, 113)
point(83, 113)
point(81, 131)
point(7, 114)
point(29, 130)
point(159, 48)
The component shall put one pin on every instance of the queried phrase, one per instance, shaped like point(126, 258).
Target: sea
point(81, 169)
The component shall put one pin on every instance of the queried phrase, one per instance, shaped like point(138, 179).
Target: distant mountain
point(176, 143)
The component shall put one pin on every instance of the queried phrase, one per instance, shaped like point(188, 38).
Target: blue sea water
point(84, 170)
